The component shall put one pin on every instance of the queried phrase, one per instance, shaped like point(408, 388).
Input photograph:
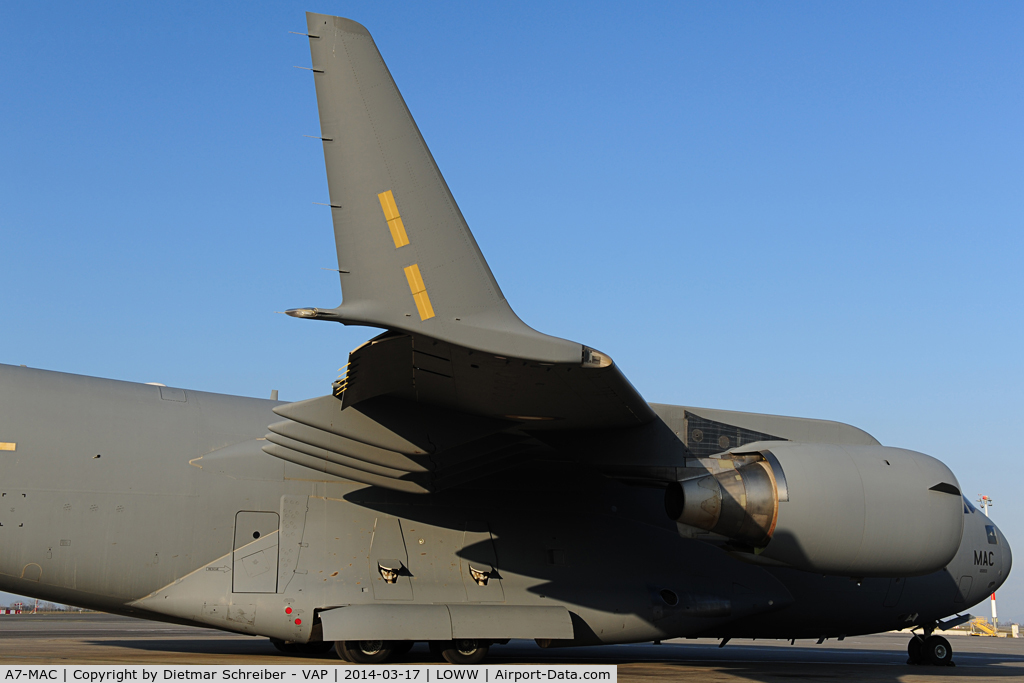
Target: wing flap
point(462, 447)
point(352, 474)
point(326, 414)
point(350, 448)
point(331, 456)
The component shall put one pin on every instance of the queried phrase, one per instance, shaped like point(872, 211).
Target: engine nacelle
point(851, 510)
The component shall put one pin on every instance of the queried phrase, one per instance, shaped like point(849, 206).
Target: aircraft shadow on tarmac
point(764, 664)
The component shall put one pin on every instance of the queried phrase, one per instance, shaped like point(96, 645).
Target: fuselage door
point(963, 589)
point(254, 560)
point(894, 592)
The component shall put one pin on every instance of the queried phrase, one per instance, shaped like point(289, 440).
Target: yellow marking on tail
point(395, 225)
point(419, 291)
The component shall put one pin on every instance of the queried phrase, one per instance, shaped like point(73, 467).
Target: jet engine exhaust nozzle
point(741, 504)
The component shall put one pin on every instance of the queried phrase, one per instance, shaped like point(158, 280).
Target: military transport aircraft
point(470, 480)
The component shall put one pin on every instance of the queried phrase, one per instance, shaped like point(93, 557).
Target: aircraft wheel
point(283, 646)
point(365, 651)
point(937, 651)
point(914, 651)
point(464, 651)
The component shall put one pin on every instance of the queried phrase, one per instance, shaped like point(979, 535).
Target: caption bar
point(332, 673)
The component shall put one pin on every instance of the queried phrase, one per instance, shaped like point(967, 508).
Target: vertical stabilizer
point(408, 259)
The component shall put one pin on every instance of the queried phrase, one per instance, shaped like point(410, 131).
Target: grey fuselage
point(126, 497)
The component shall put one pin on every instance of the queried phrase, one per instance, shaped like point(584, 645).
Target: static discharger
point(419, 291)
point(395, 225)
point(7, 446)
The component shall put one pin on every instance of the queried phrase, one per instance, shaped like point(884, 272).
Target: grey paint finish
point(490, 621)
point(387, 622)
point(444, 622)
point(370, 455)
point(371, 146)
point(255, 556)
point(864, 605)
point(792, 428)
point(327, 527)
point(325, 413)
point(413, 508)
point(841, 517)
point(553, 396)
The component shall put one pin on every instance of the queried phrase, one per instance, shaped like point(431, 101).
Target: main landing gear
point(461, 651)
point(930, 649)
point(370, 651)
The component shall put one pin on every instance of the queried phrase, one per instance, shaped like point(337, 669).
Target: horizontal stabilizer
point(538, 396)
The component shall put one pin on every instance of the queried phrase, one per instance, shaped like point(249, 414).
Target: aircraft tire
point(365, 651)
point(914, 651)
point(464, 651)
point(937, 651)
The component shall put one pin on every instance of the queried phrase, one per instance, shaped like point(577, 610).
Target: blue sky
point(808, 209)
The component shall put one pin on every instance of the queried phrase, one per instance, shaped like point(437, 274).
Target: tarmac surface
point(29, 640)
